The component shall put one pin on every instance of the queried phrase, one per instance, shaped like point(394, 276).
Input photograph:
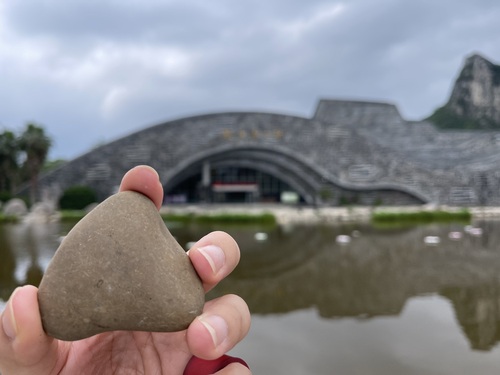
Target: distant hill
point(475, 100)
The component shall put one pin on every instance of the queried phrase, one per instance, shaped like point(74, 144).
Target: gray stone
point(119, 268)
point(15, 207)
point(41, 212)
point(42, 209)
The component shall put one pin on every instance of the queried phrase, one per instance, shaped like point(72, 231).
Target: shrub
point(77, 198)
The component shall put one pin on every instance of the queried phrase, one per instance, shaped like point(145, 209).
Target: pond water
point(384, 303)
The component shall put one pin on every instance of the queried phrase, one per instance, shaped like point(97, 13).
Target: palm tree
point(9, 159)
point(36, 144)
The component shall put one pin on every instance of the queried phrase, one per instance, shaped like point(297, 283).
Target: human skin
point(25, 349)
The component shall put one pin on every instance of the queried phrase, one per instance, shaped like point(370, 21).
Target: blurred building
point(348, 152)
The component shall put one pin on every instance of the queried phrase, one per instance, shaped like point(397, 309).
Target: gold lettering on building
point(272, 134)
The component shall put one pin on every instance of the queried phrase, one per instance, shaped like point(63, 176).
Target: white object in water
point(432, 240)
point(473, 231)
point(261, 236)
point(455, 236)
point(476, 232)
point(343, 239)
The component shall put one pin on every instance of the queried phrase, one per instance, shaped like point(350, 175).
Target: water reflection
point(375, 275)
point(478, 311)
point(7, 264)
point(25, 251)
point(304, 268)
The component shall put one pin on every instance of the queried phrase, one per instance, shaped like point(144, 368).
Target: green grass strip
point(7, 219)
point(72, 215)
point(223, 218)
point(421, 216)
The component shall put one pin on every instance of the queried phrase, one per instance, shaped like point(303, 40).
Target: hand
point(25, 349)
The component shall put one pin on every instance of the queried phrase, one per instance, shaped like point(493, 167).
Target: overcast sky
point(91, 71)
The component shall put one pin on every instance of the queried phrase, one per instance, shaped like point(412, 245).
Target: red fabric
point(197, 366)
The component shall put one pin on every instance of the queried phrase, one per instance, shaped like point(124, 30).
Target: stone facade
point(348, 152)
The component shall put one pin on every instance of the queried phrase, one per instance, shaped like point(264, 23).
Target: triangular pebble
point(119, 268)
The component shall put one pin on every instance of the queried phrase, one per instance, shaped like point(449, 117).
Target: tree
point(9, 161)
point(36, 144)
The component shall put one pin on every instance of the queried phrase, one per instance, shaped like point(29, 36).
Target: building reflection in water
point(303, 267)
point(374, 275)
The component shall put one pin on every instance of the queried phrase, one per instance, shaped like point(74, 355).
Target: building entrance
point(229, 185)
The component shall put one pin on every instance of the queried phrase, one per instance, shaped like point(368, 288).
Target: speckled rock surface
point(119, 269)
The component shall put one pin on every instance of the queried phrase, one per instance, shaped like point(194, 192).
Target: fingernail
point(9, 320)
point(214, 256)
point(216, 326)
point(152, 171)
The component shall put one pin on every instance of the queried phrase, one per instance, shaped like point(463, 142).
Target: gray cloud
point(95, 70)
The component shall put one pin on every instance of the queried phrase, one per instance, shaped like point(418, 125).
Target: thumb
point(24, 346)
